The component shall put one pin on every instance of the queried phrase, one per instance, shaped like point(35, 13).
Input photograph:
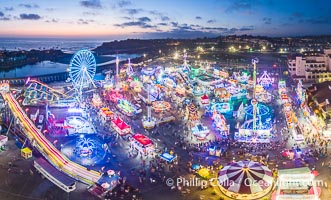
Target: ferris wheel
point(82, 69)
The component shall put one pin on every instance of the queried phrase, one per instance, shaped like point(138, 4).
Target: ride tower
point(254, 101)
point(149, 122)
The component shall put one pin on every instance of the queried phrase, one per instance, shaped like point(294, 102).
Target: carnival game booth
point(120, 126)
point(245, 180)
point(168, 157)
point(106, 114)
point(142, 143)
point(204, 100)
point(126, 107)
point(296, 184)
point(200, 131)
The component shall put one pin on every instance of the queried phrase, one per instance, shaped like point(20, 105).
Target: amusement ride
point(82, 70)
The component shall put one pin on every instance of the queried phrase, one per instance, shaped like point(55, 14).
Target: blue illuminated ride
point(82, 70)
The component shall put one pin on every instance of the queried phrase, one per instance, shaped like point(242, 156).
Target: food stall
point(120, 126)
point(204, 100)
point(142, 143)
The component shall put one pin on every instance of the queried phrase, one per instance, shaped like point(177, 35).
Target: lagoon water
point(42, 68)
point(48, 67)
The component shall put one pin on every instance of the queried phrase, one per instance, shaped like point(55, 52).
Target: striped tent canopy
point(245, 177)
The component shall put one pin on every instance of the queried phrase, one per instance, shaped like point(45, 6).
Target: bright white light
point(75, 110)
point(176, 55)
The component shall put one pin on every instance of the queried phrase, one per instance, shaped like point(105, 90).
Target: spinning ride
point(245, 180)
point(85, 147)
point(161, 106)
point(265, 80)
point(148, 74)
point(148, 122)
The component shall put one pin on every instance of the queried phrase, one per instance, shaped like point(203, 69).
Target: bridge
point(46, 148)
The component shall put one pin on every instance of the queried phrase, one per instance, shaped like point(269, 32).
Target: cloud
point(246, 28)
point(160, 15)
point(94, 4)
point(127, 18)
point(211, 21)
point(174, 24)
point(214, 28)
point(52, 21)
point(85, 21)
point(138, 24)
point(144, 19)
point(198, 17)
point(266, 20)
point(29, 6)
point(165, 18)
point(4, 18)
point(162, 24)
point(191, 30)
point(179, 33)
point(184, 27)
point(286, 24)
point(123, 3)
point(50, 9)
point(319, 20)
point(237, 5)
point(9, 8)
point(297, 14)
point(91, 13)
point(133, 11)
point(25, 16)
point(142, 23)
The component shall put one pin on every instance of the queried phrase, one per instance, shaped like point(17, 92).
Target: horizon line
point(153, 38)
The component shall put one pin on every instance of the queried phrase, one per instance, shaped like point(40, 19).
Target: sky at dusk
point(162, 18)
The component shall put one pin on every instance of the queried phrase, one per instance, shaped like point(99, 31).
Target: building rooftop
point(321, 91)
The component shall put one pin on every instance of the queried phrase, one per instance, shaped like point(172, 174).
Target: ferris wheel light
point(82, 69)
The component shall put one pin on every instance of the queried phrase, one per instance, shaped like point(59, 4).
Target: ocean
point(66, 45)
